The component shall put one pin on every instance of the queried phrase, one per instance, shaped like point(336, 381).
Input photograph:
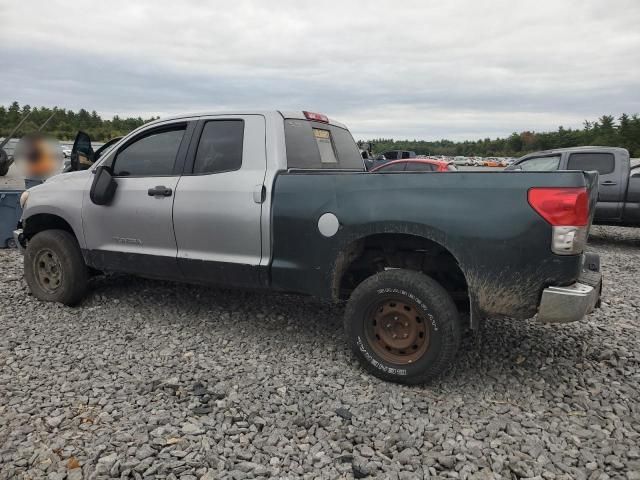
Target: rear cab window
point(603, 163)
point(317, 145)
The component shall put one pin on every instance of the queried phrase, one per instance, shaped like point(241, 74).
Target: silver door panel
point(216, 217)
point(134, 222)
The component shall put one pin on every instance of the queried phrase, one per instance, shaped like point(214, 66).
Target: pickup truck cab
point(281, 200)
point(619, 182)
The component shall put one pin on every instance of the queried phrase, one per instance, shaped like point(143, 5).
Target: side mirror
point(103, 187)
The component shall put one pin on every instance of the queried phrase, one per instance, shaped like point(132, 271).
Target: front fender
point(60, 196)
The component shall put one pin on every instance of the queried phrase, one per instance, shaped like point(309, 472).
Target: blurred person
point(38, 157)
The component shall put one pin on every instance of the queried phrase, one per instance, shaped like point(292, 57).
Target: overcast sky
point(463, 69)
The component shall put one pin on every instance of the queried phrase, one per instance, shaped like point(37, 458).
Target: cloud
point(410, 69)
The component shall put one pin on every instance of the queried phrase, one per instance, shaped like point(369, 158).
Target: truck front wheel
point(54, 268)
point(403, 326)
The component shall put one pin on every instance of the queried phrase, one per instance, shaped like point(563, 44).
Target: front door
point(218, 202)
point(134, 233)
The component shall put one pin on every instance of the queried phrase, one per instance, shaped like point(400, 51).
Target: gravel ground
point(159, 380)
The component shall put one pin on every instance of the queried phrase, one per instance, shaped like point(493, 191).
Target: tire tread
point(422, 286)
point(77, 275)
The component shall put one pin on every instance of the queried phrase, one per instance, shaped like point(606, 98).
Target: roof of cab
point(299, 115)
point(586, 148)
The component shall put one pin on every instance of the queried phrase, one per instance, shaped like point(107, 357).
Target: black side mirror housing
point(103, 187)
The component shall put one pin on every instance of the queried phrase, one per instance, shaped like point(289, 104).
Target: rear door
point(134, 233)
point(218, 202)
point(610, 180)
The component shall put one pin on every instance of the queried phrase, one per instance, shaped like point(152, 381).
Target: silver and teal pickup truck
point(281, 201)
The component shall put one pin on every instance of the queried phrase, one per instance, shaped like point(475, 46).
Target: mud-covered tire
point(54, 268)
point(413, 296)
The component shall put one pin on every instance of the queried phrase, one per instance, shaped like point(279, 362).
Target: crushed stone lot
point(151, 379)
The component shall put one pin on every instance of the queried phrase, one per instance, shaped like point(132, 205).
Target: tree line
point(65, 123)
point(607, 130)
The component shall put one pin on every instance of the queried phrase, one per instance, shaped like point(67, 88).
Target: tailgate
point(591, 181)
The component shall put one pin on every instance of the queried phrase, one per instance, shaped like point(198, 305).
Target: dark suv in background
point(619, 181)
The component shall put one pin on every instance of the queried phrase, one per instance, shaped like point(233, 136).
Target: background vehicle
point(5, 159)
point(389, 156)
point(82, 148)
point(491, 162)
point(281, 200)
point(368, 159)
point(416, 165)
point(619, 183)
point(399, 154)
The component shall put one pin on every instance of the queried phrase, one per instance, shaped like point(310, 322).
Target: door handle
point(159, 191)
point(259, 193)
point(609, 182)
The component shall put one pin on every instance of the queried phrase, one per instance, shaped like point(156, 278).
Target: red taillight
point(561, 206)
point(316, 117)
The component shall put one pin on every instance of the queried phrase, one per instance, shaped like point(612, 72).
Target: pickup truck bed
point(479, 222)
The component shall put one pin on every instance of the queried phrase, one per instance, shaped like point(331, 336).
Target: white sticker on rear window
point(325, 145)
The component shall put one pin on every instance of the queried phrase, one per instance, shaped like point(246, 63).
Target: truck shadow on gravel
point(518, 352)
point(525, 352)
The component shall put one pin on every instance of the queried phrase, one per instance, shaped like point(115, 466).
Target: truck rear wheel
point(403, 326)
point(54, 268)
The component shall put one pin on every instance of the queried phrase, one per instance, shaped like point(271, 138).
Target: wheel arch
point(39, 222)
point(374, 251)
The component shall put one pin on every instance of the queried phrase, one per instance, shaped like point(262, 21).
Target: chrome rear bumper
point(573, 302)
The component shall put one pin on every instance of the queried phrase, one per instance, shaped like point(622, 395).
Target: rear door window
point(220, 147)
point(391, 155)
point(603, 163)
point(540, 164)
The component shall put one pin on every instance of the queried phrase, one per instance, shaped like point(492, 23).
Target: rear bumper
point(573, 302)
